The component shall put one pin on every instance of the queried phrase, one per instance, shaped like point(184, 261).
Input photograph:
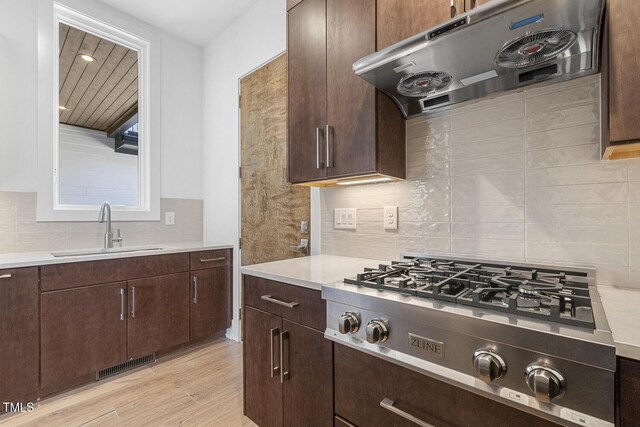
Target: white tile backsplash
point(20, 232)
point(515, 177)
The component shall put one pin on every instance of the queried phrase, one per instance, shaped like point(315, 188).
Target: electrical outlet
point(345, 219)
point(390, 217)
point(169, 218)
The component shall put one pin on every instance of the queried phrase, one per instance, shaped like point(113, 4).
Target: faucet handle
point(118, 237)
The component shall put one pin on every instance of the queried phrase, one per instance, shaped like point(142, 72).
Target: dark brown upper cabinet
point(621, 80)
point(338, 125)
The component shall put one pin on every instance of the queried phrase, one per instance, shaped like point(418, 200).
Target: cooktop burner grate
point(552, 295)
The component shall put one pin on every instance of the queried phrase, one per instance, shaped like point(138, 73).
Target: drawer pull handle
point(221, 258)
point(275, 332)
point(277, 301)
point(5, 276)
point(388, 405)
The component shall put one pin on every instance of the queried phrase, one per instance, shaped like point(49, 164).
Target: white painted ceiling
point(197, 21)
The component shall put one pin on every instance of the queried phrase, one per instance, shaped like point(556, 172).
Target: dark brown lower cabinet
point(18, 335)
point(158, 314)
point(628, 392)
point(262, 387)
point(83, 330)
point(363, 381)
point(211, 303)
point(288, 378)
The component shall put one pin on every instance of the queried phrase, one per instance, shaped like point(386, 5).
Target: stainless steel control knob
point(489, 365)
point(348, 323)
point(377, 331)
point(545, 382)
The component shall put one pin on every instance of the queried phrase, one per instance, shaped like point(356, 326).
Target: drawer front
point(406, 394)
point(301, 305)
point(210, 259)
point(65, 276)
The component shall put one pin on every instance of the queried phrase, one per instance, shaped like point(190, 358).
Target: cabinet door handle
point(327, 137)
point(195, 290)
point(474, 3)
point(454, 11)
point(277, 301)
point(318, 162)
point(5, 276)
point(221, 258)
point(275, 332)
point(133, 302)
point(388, 405)
point(284, 374)
point(121, 304)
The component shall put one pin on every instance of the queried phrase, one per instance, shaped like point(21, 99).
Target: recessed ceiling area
point(197, 21)
point(98, 80)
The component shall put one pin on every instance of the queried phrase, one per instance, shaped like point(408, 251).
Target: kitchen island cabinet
point(19, 335)
point(288, 364)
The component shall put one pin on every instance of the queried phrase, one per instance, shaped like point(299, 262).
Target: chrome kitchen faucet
point(105, 216)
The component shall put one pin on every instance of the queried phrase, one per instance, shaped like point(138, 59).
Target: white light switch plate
point(390, 217)
point(169, 218)
point(345, 219)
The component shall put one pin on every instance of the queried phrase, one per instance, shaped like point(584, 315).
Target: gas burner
point(556, 296)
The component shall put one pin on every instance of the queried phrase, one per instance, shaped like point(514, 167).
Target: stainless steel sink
point(87, 252)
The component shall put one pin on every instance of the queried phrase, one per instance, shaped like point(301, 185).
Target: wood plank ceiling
point(96, 94)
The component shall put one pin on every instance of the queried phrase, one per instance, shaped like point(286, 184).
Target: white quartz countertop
point(29, 259)
point(621, 308)
point(311, 271)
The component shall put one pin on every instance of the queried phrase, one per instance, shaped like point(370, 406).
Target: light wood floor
point(199, 388)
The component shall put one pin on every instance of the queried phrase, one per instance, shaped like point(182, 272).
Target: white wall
point(181, 106)
point(181, 127)
point(255, 38)
point(18, 95)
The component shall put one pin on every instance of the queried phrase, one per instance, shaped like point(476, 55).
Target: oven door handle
point(388, 405)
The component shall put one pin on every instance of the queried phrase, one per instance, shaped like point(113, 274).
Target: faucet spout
point(105, 216)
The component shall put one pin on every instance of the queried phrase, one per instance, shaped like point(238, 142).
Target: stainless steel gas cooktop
point(531, 336)
point(554, 295)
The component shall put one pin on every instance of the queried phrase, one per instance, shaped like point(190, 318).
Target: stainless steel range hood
point(502, 45)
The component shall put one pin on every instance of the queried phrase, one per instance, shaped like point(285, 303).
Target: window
point(102, 141)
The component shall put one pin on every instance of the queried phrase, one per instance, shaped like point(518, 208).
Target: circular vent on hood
point(421, 84)
point(535, 48)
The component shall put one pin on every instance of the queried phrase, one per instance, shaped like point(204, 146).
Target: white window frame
point(105, 22)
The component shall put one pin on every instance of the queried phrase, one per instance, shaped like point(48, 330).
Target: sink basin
point(87, 252)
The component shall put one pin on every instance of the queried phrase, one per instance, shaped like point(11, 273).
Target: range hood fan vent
point(422, 84)
point(535, 48)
